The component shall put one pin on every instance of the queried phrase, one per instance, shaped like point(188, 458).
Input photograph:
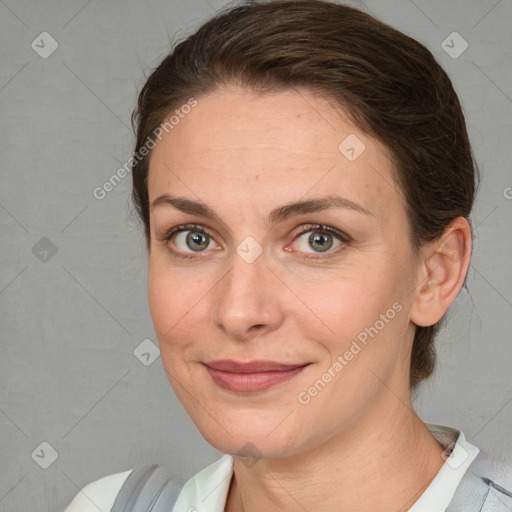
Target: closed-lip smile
point(251, 376)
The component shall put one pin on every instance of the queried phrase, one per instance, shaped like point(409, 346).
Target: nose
point(248, 300)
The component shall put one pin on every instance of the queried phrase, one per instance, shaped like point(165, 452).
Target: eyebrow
point(277, 215)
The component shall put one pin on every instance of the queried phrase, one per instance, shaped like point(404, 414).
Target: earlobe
point(442, 272)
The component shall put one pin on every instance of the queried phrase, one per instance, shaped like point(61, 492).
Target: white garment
point(208, 489)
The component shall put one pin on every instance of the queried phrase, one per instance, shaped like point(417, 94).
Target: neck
point(387, 458)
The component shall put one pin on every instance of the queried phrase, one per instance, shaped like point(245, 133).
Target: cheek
point(160, 298)
point(363, 345)
point(363, 318)
point(349, 302)
point(169, 298)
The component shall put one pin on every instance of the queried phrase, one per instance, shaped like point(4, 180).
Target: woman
point(305, 180)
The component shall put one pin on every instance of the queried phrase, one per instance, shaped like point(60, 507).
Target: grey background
point(70, 321)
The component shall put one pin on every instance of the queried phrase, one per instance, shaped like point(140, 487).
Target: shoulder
point(495, 472)
point(99, 495)
point(486, 485)
point(495, 467)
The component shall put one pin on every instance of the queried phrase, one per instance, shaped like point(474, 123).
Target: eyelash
point(342, 237)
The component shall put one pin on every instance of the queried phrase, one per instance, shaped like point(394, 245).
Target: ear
point(442, 269)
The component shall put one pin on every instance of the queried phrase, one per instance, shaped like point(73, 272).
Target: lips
point(252, 376)
point(228, 365)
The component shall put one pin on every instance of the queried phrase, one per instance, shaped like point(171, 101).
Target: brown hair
point(389, 83)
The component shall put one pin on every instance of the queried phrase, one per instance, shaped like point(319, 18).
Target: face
point(325, 289)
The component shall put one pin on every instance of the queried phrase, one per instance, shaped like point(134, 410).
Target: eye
point(321, 239)
point(188, 236)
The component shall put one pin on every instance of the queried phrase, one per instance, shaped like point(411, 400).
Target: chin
point(251, 441)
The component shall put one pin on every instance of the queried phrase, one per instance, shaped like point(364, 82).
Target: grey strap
point(147, 488)
point(485, 487)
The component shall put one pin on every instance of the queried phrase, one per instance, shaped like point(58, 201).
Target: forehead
point(264, 150)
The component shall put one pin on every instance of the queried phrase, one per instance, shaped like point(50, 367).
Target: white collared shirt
point(207, 490)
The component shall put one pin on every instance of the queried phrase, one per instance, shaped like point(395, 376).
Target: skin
point(358, 442)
